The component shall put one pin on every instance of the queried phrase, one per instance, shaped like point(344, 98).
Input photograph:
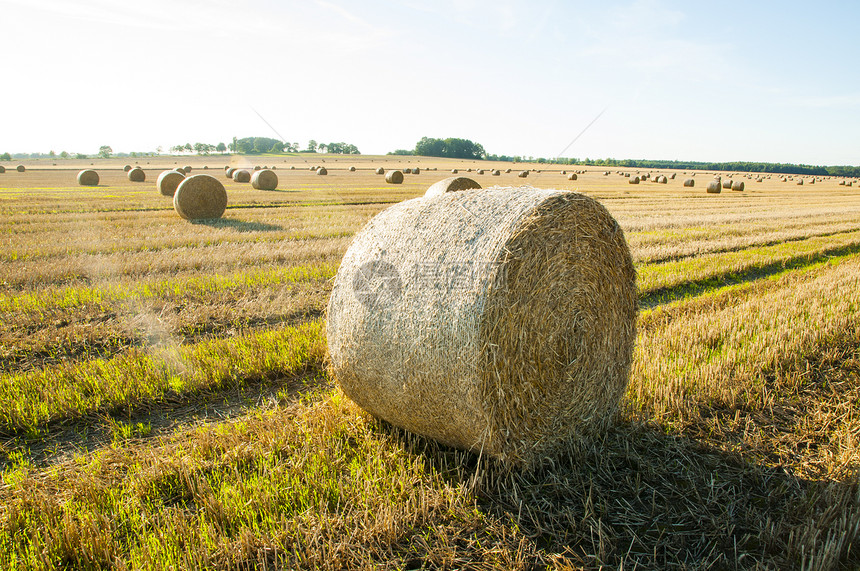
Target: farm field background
point(164, 398)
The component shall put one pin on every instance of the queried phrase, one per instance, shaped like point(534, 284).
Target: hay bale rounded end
point(451, 184)
point(137, 175)
point(127, 168)
point(714, 187)
point(264, 180)
point(200, 197)
point(322, 171)
point(20, 168)
point(2, 169)
point(88, 177)
point(456, 357)
point(168, 182)
point(380, 170)
point(690, 182)
point(394, 177)
point(738, 186)
point(242, 175)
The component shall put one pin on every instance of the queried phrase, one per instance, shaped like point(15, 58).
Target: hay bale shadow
point(239, 225)
point(640, 498)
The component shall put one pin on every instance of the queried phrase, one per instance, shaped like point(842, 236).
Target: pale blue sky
point(766, 81)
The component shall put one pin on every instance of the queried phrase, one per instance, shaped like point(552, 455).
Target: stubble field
point(164, 400)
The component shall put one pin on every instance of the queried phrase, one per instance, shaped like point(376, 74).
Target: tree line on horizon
point(453, 148)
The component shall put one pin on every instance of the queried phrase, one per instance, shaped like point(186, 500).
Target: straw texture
point(88, 177)
point(498, 320)
point(394, 177)
point(264, 180)
point(200, 197)
point(714, 187)
point(242, 176)
point(168, 181)
point(451, 184)
point(137, 175)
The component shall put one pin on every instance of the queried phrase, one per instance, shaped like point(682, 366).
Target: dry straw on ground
point(264, 180)
point(394, 177)
point(137, 175)
point(714, 187)
point(451, 184)
point(200, 197)
point(242, 176)
point(168, 181)
point(498, 320)
point(88, 177)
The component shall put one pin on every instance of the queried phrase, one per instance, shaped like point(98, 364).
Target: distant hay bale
point(257, 167)
point(759, 179)
point(407, 171)
point(727, 183)
point(226, 167)
point(690, 182)
point(264, 180)
point(571, 176)
point(416, 170)
point(351, 169)
point(168, 181)
point(126, 168)
point(841, 183)
point(662, 179)
point(812, 181)
point(322, 171)
point(88, 177)
point(783, 179)
point(451, 184)
point(230, 172)
point(394, 177)
point(672, 176)
point(738, 185)
point(507, 171)
point(633, 180)
point(187, 169)
point(523, 174)
point(605, 173)
point(479, 171)
point(469, 170)
point(20, 168)
point(137, 175)
point(380, 170)
point(292, 167)
point(714, 187)
point(205, 167)
point(242, 176)
point(180, 170)
point(799, 182)
point(454, 171)
point(514, 346)
point(200, 197)
point(2, 169)
point(495, 172)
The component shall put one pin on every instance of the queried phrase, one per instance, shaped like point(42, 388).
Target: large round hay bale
point(2, 169)
point(727, 183)
point(633, 180)
point(264, 180)
point(571, 176)
point(495, 172)
point(168, 181)
point(416, 170)
point(242, 175)
point(690, 182)
point(322, 171)
point(126, 168)
point(394, 177)
point(714, 187)
point(511, 344)
point(88, 177)
point(351, 169)
point(200, 197)
point(20, 168)
point(229, 172)
point(523, 174)
point(380, 170)
point(137, 175)
point(738, 185)
point(451, 184)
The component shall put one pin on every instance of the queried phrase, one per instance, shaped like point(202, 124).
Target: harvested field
point(156, 370)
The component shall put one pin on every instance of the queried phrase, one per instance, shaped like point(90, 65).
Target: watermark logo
point(376, 284)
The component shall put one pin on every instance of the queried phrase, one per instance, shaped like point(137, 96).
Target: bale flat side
point(168, 181)
point(200, 197)
point(88, 177)
point(264, 180)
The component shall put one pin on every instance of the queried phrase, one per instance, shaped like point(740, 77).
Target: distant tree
point(400, 152)
point(277, 147)
point(5, 157)
point(176, 149)
point(450, 148)
point(64, 155)
point(188, 147)
point(312, 146)
point(105, 151)
point(52, 154)
point(80, 156)
point(221, 147)
point(203, 148)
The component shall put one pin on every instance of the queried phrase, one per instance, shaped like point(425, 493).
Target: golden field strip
point(164, 399)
